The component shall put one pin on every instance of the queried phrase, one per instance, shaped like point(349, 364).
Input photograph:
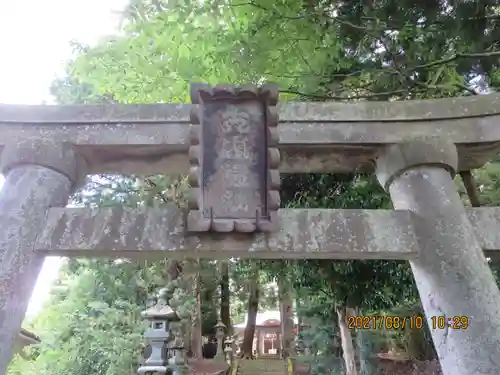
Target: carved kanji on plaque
point(234, 172)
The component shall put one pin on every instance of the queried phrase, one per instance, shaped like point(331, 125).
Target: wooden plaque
point(234, 172)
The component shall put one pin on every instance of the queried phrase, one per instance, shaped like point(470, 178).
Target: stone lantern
point(177, 360)
point(219, 334)
point(228, 350)
point(157, 336)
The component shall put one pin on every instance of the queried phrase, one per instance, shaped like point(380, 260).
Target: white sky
point(34, 45)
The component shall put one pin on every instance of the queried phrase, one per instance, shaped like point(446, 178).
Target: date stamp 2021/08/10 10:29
point(410, 322)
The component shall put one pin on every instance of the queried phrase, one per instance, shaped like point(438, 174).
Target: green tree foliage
point(364, 285)
point(325, 50)
point(378, 284)
point(92, 322)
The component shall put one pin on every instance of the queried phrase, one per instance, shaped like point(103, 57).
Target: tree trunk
point(253, 308)
point(225, 296)
point(346, 341)
point(300, 320)
point(185, 284)
point(196, 331)
point(286, 313)
point(368, 365)
point(173, 269)
point(419, 344)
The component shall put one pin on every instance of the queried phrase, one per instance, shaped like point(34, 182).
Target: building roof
point(269, 317)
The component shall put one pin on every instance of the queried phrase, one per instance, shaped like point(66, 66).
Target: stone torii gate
point(230, 141)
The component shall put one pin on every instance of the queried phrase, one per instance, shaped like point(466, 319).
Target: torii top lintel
point(313, 136)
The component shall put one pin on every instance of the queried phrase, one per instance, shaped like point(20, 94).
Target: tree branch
point(351, 97)
point(456, 57)
point(470, 187)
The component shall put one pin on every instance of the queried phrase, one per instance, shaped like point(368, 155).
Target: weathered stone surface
point(132, 233)
point(313, 137)
point(451, 272)
point(28, 191)
point(60, 157)
point(486, 224)
point(318, 233)
point(436, 109)
point(234, 175)
point(405, 155)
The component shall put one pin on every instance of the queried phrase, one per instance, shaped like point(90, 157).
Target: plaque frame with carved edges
point(234, 129)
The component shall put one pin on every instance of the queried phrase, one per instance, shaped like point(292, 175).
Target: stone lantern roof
point(160, 311)
point(220, 324)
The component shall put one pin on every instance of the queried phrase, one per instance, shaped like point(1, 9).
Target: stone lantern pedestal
point(219, 334)
point(228, 350)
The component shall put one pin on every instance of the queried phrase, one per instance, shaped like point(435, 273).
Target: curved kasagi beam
point(362, 111)
point(313, 136)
